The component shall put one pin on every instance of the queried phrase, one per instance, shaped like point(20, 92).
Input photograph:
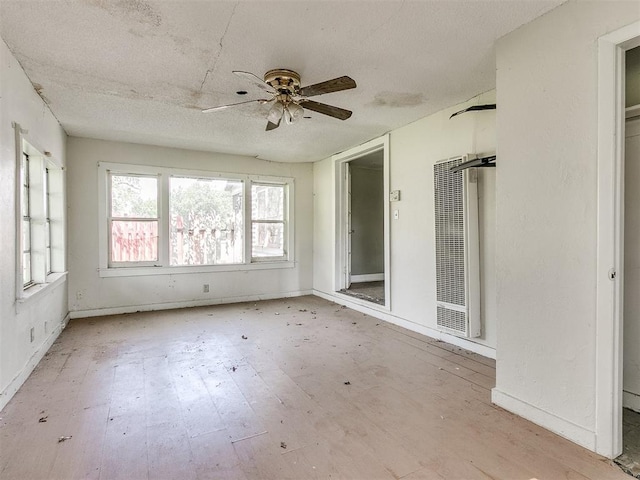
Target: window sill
point(39, 289)
point(142, 271)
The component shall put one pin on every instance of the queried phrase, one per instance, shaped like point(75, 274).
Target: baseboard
point(631, 400)
point(7, 394)
point(382, 313)
point(368, 277)
point(569, 430)
point(100, 312)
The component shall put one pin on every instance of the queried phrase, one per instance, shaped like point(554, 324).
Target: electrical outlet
point(79, 295)
point(32, 333)
point(205, 288)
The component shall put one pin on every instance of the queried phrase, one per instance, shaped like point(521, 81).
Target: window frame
point(163, 266)
point(111, 219)
point(25, 201)
point(44, 179)
point(284, 222)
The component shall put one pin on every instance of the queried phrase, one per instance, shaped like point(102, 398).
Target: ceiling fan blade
point(257, 81)
point(335, 85)
point(224, 107)
point(272, 126)
point(325, 109)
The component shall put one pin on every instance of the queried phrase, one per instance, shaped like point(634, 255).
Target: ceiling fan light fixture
point(296, 111)
point(276, 112)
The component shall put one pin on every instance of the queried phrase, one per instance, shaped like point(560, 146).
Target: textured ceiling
point(141, 71)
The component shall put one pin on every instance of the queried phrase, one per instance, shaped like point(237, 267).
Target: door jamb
point(340, 161)
point(610, 237)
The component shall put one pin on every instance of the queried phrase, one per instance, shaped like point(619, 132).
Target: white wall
point(89, 294)
point(631, 315)
point(18, 355)
point(414, 149)
point(546, 215)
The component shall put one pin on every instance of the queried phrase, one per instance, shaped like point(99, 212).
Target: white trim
point(17, 381)
point(39, 289)
point(379, 312)
point(576, 433)
point(340, 161)
point(186, 304)
point(185, 269)
point(610, 234)
point(631, 400)
point(367, 277)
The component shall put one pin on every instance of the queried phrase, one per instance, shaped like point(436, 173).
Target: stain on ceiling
point(141, 71)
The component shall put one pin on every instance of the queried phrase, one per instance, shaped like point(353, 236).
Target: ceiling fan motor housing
point(283, 80)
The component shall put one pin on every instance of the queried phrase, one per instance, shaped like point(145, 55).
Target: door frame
point(341, 161)
point(610, 238)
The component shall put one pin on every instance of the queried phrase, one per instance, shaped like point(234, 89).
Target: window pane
point(206, 221)
point(134, 196)
point(25, 201)
point(134, 241)
point(26, 268)
point(26, 235)
point(47, 245)
point(268, 239)
point(267, 202)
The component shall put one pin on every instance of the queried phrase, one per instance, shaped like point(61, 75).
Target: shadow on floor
point(629, 461)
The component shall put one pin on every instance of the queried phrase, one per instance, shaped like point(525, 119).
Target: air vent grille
point(452, 319)
point(457, 248)
point(450, 234)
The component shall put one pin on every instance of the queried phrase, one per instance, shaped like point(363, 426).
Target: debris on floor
point(249, 436)
point(283, 445)
point(347, 382)
point(64, 439)
point(629, 461)
point(43, 419)
point(302, 310)
point(244, 337)
point(233, 369)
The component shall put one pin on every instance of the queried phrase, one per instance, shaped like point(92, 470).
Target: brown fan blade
point(335, 85)
point(223, 107)
point(273, 126)
point(325, 109)
point(257, 81)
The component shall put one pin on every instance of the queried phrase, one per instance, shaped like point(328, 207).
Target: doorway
point(611, 277)
point(630, 458)
point(365, 215)
point(362, 224)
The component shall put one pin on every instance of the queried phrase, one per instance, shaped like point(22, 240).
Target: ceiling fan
point(288, 99)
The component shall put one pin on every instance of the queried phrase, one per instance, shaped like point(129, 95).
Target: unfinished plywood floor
point(369, 291)
point(629, 461)
point(313, 391)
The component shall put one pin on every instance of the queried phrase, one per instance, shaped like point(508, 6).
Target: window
point(47, 220)
point(206, 221)
point(268, 221)
point(40, 194)
point(133, 220)
point(186, 221)
point(27, 277)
